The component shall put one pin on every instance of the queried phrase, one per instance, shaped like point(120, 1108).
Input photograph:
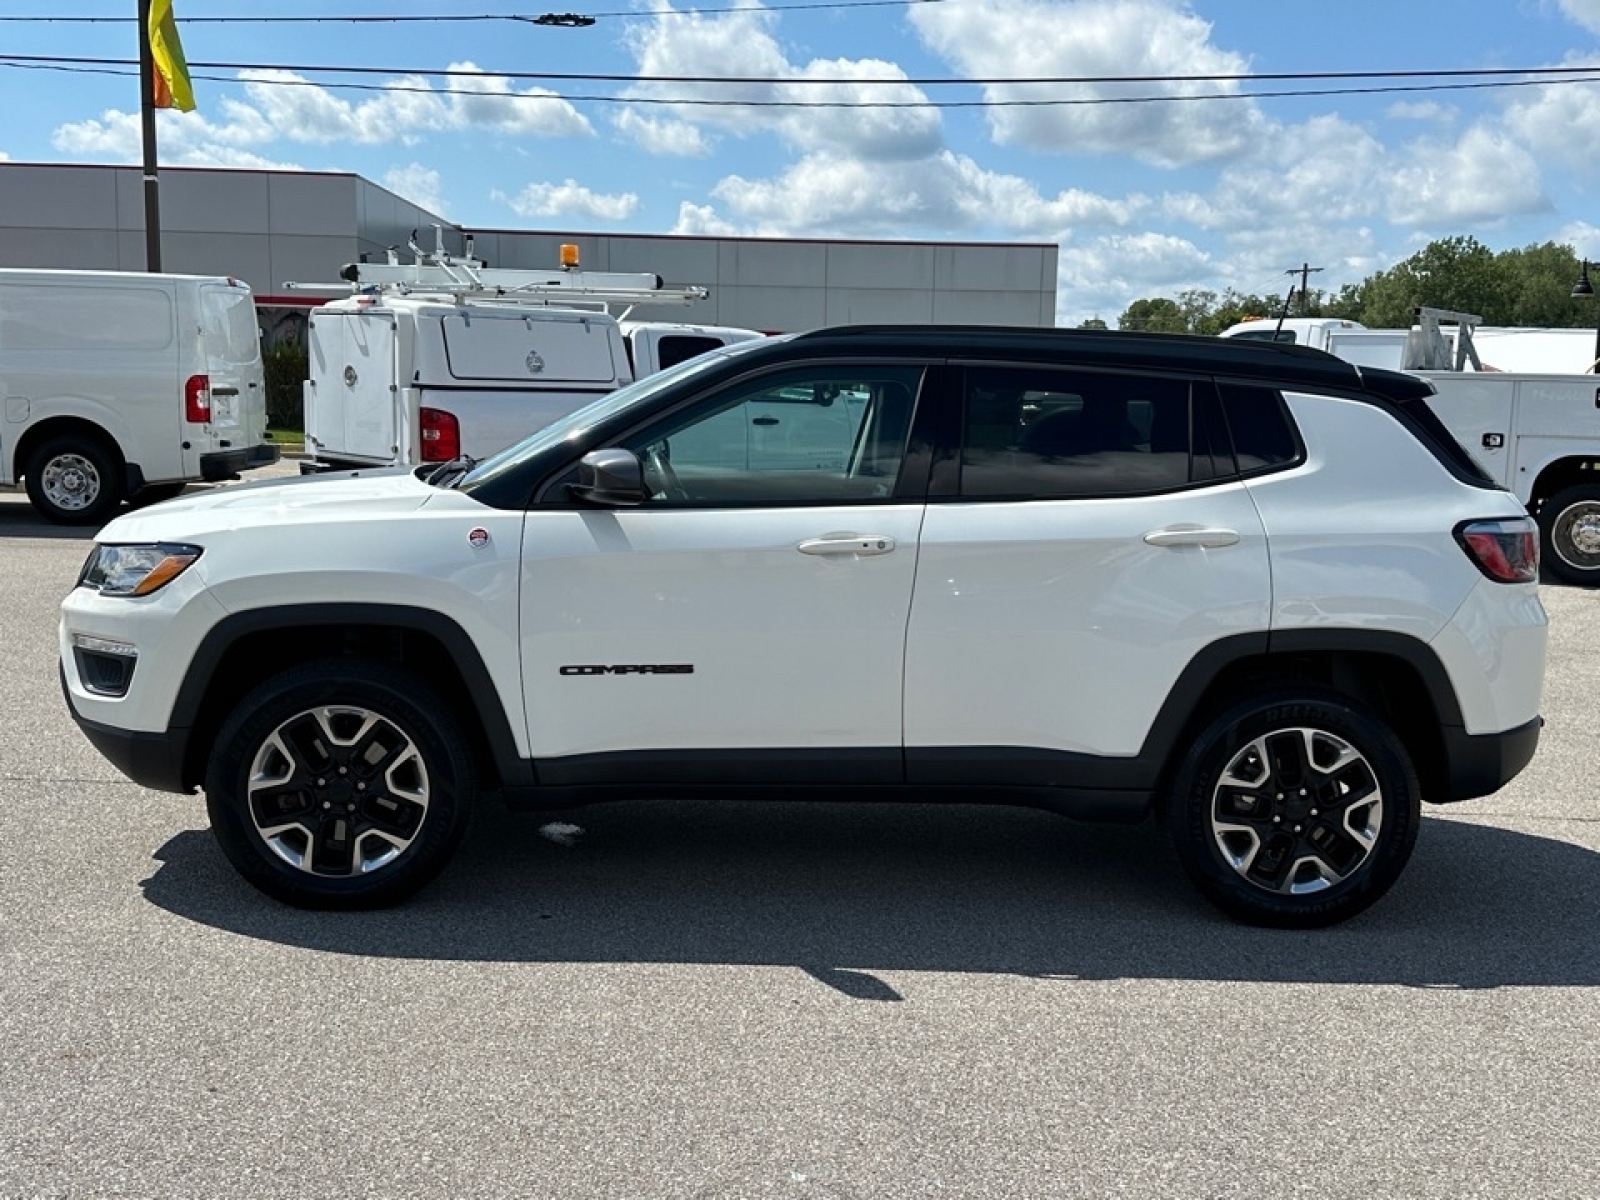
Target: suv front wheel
point(1295, 809)
point(339, 784)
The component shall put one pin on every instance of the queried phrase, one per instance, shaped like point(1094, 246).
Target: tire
point(155, 493)
point(74, 481)
point(1569, 530)
point(363, 737)
point(1295, 809)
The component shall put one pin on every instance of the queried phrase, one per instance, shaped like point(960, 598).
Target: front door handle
point(1191, 535)
point(847, 543)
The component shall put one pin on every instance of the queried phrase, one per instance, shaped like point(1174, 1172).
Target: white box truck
point(444, 358)
point(119, 385)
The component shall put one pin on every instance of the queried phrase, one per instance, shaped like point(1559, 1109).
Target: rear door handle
point(225, 391)
point(1191, 535)
point(847, 543)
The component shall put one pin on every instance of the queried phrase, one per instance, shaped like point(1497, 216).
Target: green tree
point(1459, 273)
point(286, 366)
point(1159, 315)
point(1093, 323)
point(1540, 283)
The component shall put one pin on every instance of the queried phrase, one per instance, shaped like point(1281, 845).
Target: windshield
point(575, 425)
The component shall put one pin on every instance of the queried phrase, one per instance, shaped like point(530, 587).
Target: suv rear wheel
point(1295, 809)
point(339, 784)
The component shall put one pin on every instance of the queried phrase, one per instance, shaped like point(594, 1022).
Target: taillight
point(1506, 550)
point(441, 436)
point(197, 399)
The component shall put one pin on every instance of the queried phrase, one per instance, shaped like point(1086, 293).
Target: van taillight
point(441, 436)
point(197, 400)
point(1506, 550)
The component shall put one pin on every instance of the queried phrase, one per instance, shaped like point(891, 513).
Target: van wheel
point(1295, 809)
point(155, 493)
point(73, 481)
point(1569, 526)
point(339, 785)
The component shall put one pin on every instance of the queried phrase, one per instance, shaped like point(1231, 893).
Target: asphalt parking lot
point(696, 1000)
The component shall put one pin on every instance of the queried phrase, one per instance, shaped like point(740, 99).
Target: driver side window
point(817, 435)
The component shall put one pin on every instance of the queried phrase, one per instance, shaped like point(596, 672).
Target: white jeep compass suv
point(1249, 587)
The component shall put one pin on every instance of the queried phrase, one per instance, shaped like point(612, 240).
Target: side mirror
point(612, 476)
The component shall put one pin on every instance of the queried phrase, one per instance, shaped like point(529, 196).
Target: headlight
point(136, 570)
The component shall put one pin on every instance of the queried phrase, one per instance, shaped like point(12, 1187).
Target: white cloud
point(1098, 38)
point(1420, 110)
point(678, 138)
point(569, 199)
point(741, 44)
point(418, 184)
point(701, 220)
point(1321, 171)
point(4, 157)
point(1103, 276)
point(1583, 237)
point(182, 140)
point(409, 107)
point(838, 195)
point(1584, 12)
point(1484, 176)
point(1560, 122)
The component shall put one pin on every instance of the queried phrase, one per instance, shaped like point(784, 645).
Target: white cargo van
point(126, 386)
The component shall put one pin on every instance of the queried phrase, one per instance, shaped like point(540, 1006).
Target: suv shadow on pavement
point(845, 892)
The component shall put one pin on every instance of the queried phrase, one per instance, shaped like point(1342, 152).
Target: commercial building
point(273, 227)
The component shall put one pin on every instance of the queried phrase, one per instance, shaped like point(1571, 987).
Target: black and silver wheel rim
point(1575, 535)
point(70, 482)
point(1297, 811)
point(338, 791)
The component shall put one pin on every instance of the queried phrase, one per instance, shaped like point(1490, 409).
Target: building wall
point(271, 227)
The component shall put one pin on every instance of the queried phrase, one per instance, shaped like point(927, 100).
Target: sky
point(1149, 188)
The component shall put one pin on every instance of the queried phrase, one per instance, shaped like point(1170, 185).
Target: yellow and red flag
point(173, 89)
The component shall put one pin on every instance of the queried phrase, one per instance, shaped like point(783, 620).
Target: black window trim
point(911, 486)
point(945, 484)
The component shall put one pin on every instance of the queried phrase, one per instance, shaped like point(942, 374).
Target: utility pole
point(147, 124)
point(1305, 271)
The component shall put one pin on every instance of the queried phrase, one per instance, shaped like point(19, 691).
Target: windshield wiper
point(448, 473)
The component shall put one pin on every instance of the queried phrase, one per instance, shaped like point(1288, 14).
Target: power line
point(455, 18)
point(702, 102)
point(1515, 75)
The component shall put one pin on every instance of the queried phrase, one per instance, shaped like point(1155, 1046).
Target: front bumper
point(1478, 764)
point(226, 464)
point(152, 760)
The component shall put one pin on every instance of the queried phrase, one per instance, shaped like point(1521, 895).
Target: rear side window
point(232, 334)
point(1263, 436)
point(1042, 433)
point(678, 347)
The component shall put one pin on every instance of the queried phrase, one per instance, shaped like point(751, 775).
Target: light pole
point(1584, 289)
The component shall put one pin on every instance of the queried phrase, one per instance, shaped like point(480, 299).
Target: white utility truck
point(120, 385)
point(1536, 433)
point(444, 357)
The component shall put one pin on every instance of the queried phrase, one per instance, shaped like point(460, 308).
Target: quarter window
point(1263, 438)
point(814, 436)
point(1042, 433)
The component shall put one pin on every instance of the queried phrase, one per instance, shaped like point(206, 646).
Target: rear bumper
point(1476, 765)
point(226, 464)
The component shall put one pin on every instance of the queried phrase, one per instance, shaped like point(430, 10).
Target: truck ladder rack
point(467, 279)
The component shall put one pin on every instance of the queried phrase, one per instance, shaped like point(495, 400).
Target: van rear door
point(353, 412)
point(230, 351)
